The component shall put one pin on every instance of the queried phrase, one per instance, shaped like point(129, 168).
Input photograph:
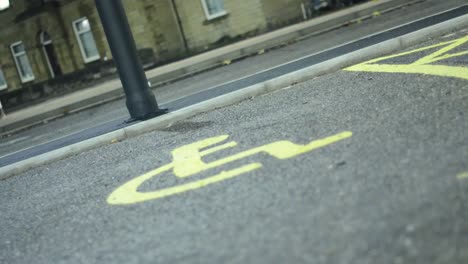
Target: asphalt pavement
point(356, 166)
point(185, 92)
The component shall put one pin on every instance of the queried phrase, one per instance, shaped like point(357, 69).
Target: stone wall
point(154, 26)
point(279, 13)
point(243, 18)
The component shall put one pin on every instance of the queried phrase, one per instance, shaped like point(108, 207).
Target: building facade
point(48, 45)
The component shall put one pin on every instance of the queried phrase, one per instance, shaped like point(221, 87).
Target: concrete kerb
point(237, 96)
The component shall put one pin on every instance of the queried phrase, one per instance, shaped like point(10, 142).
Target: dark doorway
point(50, 55)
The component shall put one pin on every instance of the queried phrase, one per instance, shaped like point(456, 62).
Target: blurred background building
point(51, 47)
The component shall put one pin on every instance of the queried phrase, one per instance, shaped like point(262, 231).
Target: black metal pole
point(141, 102)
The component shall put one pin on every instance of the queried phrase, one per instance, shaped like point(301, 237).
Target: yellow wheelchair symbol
point(187, 161)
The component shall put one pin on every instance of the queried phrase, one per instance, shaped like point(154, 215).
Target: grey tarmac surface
point(388, 194)
point(116, 110)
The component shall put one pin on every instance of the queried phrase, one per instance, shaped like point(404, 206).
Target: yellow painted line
point(423, 65)
point(463, 176)
point(129, 194)
point(408, 52)
point(437, 70)
point(433, 57)
point(187, 162)
point(448, 56)
point(187, 159)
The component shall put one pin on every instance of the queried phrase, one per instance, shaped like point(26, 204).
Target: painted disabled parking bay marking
point(187, 162)
point(431, 64)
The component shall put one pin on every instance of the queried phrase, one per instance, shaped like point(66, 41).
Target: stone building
point(48, 46)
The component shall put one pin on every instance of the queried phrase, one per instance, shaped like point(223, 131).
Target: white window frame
point(2, 76)
point(211, 16)
point(15, 57)
point(4, 5)
point(80, 44)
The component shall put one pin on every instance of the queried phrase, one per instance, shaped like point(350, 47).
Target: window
point(4, 4)
point(213, 8)
point(22, 62)
point(85, 39)
point(3, 83)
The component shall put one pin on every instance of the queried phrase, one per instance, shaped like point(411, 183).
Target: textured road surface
point(170, 93)
point(394, 192)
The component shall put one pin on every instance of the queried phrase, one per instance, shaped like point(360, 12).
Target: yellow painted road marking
point(187, 162)
point(423, 65)
point(463, 176)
